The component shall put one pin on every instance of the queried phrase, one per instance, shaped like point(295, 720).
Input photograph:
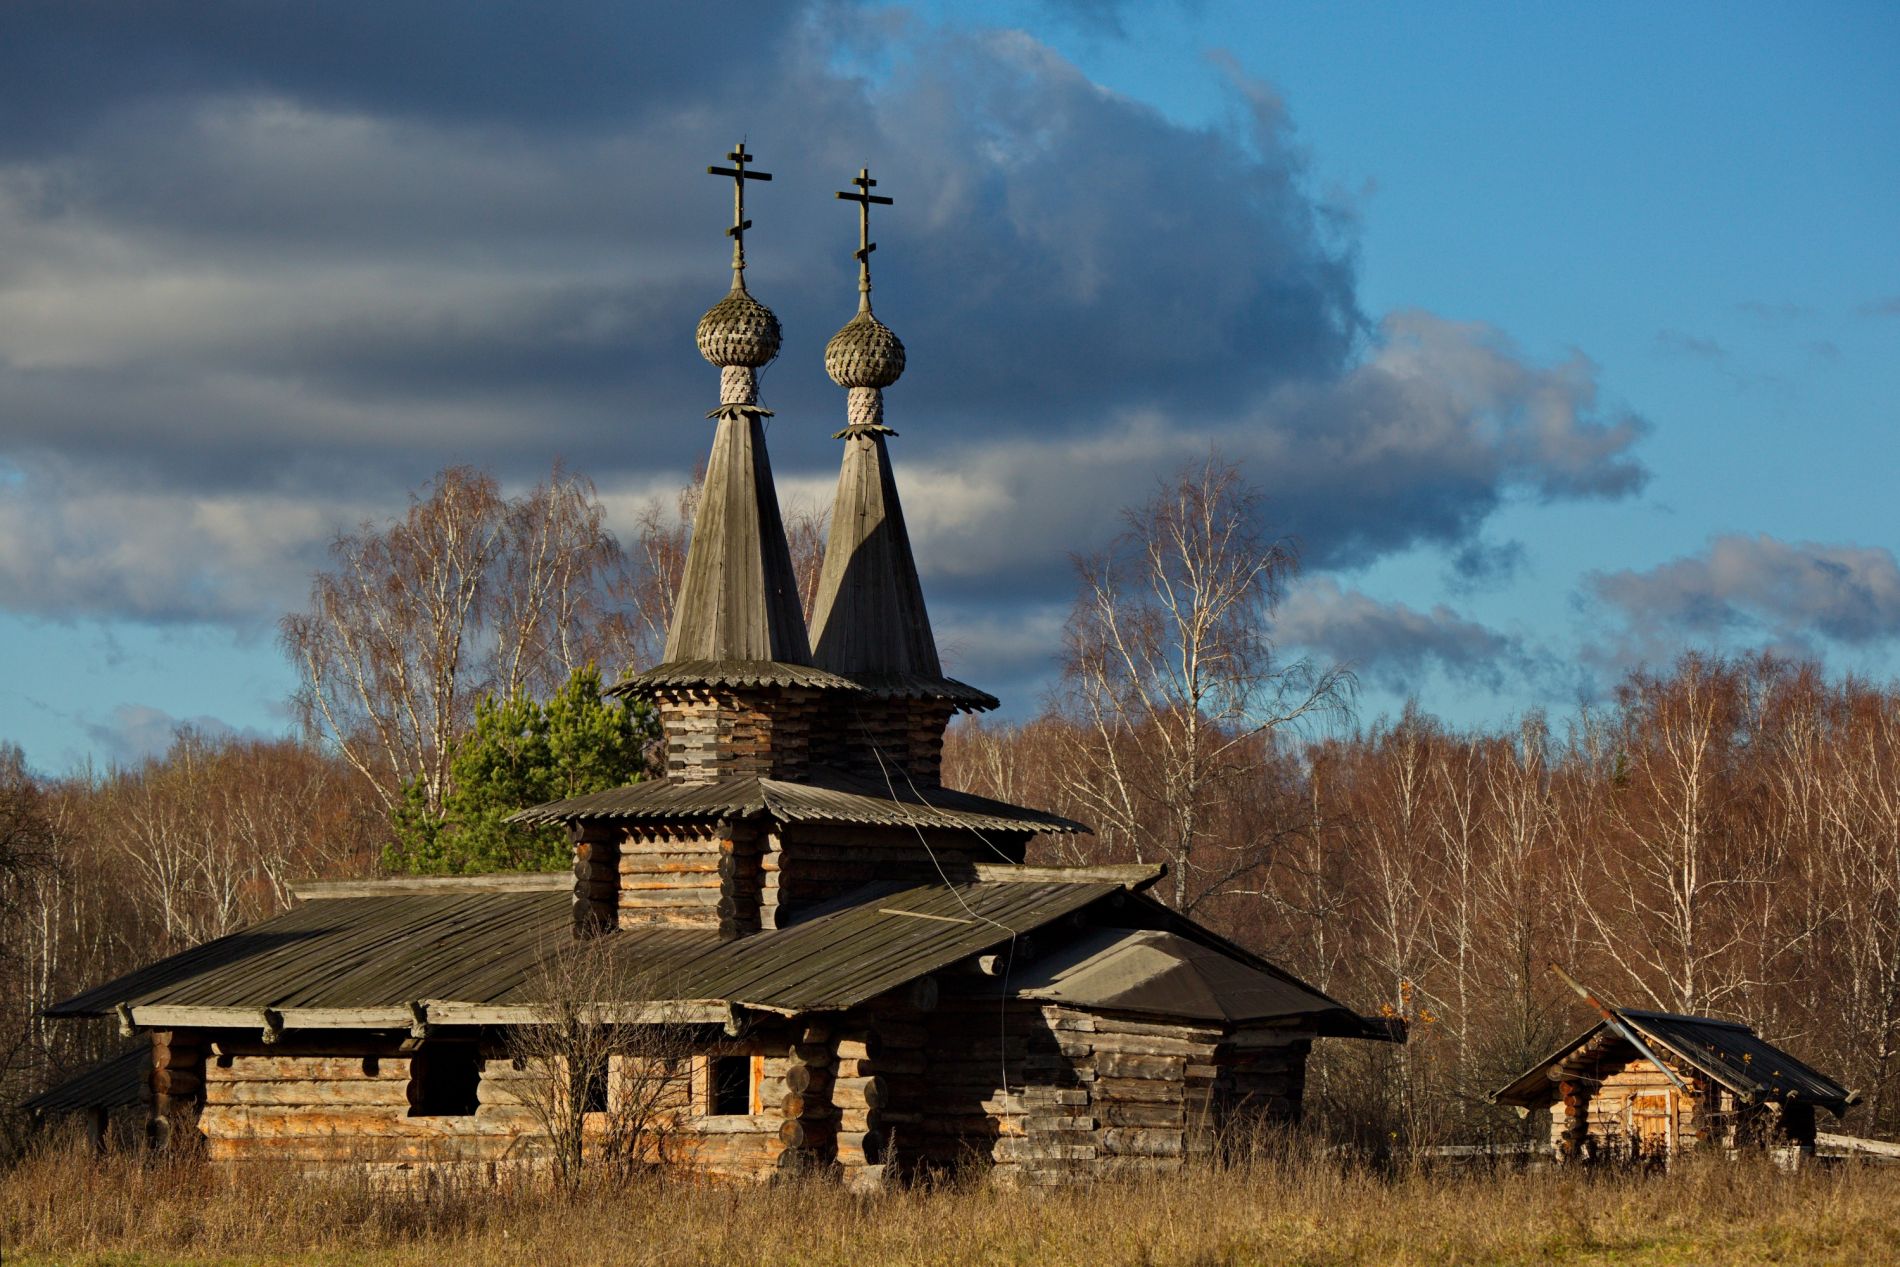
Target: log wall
point(175, 1089)
point(1044, 1094)
point(354, 1101)
point(691, 875)
point(878, 737)
point(807, 863)
point(1594, 1115)
point(719, 733)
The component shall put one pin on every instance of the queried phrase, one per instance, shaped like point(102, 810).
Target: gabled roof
point(1728, 1052)
point(116, 1082)
point(467, 956)
point(738, 597)
point(435, 956)
point(827, 796)
point(1148, 970)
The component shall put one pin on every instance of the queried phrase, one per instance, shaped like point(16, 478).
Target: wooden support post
point(177, 1087)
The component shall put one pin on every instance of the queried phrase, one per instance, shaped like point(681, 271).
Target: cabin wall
point(1043, 1093)
point(720, 733)
point(1629, 1110)
point(807, 863)
point(690, 875)
point(359, 1100)
point(877, 738)
point(349, 1101)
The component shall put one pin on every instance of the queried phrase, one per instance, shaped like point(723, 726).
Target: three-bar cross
point(739, 158)
point(864, 198)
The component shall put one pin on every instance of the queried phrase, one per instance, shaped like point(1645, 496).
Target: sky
point(1559, 339)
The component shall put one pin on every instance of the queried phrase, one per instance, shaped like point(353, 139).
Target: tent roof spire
point(869, 621)
point(738, 597)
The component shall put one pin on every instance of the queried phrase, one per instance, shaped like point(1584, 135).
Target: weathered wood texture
point(901, 739)
point(803, 864)
point(335, 1107)
point(738, 597)
point(176, 1089)
point(596, 876)
point(1044, 1094)
point(690, 876)
point(722, 732)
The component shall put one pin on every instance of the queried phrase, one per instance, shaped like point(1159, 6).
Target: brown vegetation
point(62, 1207)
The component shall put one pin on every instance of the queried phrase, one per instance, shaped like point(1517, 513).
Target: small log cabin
point(876, 983)
point(1712, 1085)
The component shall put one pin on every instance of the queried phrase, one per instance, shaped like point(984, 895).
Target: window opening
point(592, 1086)
point(731, 1086)
point(444, 1077)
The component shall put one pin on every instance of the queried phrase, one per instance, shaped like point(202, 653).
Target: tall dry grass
point(61, 1205)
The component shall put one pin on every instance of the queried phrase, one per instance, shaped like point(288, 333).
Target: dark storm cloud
point(1755, 590)
point(264, 267)
point(69, 64)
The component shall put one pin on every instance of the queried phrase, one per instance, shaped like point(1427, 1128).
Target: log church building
point(872, 982)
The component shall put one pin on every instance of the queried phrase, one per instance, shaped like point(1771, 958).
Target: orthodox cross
point(739, 158)
point(864, 198)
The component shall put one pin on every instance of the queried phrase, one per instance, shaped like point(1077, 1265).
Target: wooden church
point(869, 980)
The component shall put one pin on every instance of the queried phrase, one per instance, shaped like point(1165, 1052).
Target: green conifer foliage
point(521, 753)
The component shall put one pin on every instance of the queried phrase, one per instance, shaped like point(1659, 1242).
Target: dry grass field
point(62, 1206)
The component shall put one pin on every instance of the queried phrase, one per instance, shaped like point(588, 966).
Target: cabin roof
point(1729, 1052)
point(827, 796)
point(362, 961)
point(448, 954)
point(114, 1083)
point(1155, 971)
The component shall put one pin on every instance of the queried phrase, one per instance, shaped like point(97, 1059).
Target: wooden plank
point(317, 890)
point(284, 1093)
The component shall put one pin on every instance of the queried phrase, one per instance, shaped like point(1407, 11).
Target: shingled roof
point(472, 955)
point(450, 953)
point(1728, 1052)
point(869, 620)
point(738, 598)
point(827, 796)
point(117, 1082)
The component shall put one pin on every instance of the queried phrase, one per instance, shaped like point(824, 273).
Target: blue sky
point(1562, 339)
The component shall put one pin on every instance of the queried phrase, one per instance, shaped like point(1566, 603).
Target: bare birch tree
point(1170, 671)
point(468, 594)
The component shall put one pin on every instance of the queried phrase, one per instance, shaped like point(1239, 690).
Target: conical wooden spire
point(869, 617)
point(738, 599)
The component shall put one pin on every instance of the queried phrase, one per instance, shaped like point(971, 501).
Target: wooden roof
point(1166, 974)
point(869, 619)
point(738, 598)
point(116, 1082)
point(1728, 1052)
point(685, 673)
point(826, 796)
point(473, 957)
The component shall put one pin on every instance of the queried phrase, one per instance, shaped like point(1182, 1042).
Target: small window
point(592, 1086)
point(445, 1076)
point(731, 1086)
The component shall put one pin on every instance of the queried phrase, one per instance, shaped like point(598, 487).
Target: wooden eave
point(825, 796)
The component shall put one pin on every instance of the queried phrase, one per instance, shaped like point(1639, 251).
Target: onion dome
point(739, 331)
point(866, 353)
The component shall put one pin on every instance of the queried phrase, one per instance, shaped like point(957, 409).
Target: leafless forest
point(1720, 836)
